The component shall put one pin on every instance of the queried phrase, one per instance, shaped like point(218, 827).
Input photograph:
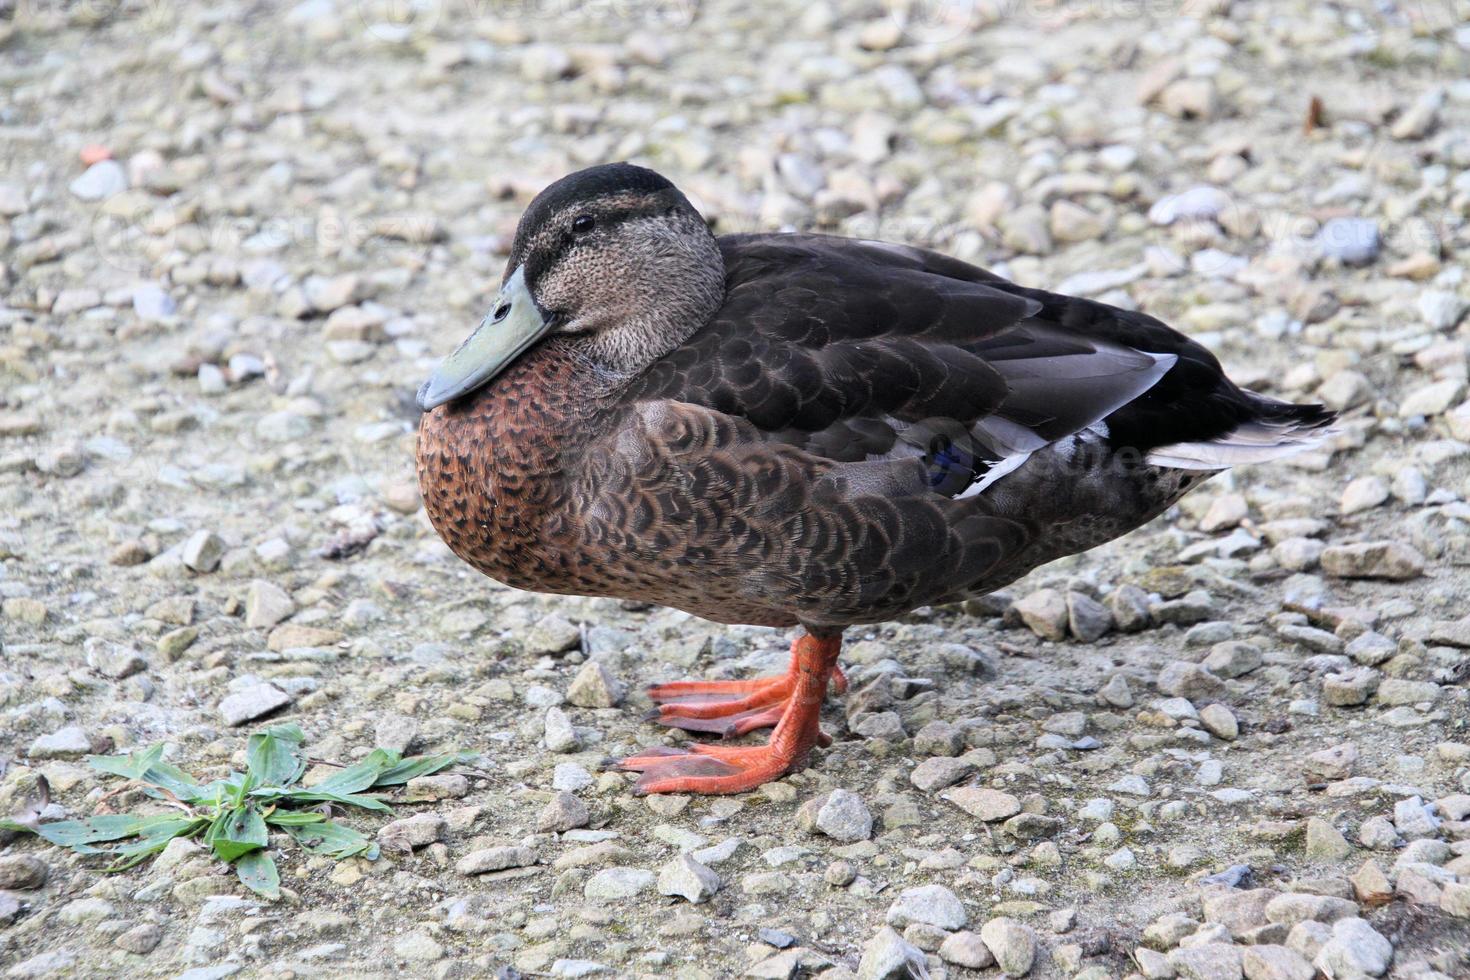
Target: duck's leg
point(730, 769)
point(732, 708)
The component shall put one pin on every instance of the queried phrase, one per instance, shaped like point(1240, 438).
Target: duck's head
point(613, 257)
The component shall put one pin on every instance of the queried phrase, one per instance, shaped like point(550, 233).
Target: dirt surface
point(1236, 742)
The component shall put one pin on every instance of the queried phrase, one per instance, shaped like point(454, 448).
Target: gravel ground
point(235, 236)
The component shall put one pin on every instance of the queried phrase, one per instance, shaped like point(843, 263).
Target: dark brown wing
point(818, 451)
point(862, 350)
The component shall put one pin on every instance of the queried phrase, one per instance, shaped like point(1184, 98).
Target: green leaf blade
point(90, 830)
point(154, 840)
point(171, 778)
point(421, 765)
point(346, 799)
point(294, 818)
point(332, 839)
point(130, 766)
point(274, 756)
point(358, 777)
point(257, 872)
point(237, 832)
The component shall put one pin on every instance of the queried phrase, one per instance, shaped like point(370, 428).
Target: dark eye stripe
point(539, 261)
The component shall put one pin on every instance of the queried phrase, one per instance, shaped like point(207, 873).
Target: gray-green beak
point(513, 325)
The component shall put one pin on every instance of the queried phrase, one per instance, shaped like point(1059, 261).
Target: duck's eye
point(500, 313)
point(583, 223)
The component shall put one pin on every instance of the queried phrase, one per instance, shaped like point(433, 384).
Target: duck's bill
point(512, 326)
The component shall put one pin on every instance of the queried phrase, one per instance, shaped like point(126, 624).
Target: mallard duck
point(798, 430)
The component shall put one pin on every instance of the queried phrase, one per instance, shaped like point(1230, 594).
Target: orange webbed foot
point(791, 702)
point(732, 708)
point(707, 769)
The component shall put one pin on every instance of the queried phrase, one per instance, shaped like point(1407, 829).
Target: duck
point(799, 431)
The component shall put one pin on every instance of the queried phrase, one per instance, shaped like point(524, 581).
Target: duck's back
point(864, 428)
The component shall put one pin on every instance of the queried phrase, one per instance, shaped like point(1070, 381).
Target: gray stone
point(1220, 722)
point(887, 956)
point(1045, 612)
point(152, 303)
point(552, 634)
point(570, 777)
point(1154, 966)
point(440, 786)
point(1087, 619)
point(1308, 938)
point(1378, 833)
point(202, 551)
point(1207, 961)
point(396, 732)
point(988, 804)
point(618, 884)
point(1364, 493)
point(1116, 692)
point(1012, 943)
point(686, 878)
point(70, 742)
point(1128, 605)
point(418, 947)
point(1455, 633)
point(49, 963)
point(595, 687)
point(1414, 819)
point(22, 871)
point(966, 949)
point(1397, 690)
point(283, 427)
point(12, 200)
point(1202, 202)
point(932, 905)
point(880, 725)
point(103, 179)
point(939, 738)
point(80, 911)
point(252, 703)
point(1325, 842)
point(114, 660)
point(495, 859)
point(1355, 950)
point(1292, 908)
point(560, 735)
point(940, 771)
point(1352, 241)
point(412, 833)
point(1390, 560)
point(1349, 688)
point(141, 939)
point(562, 812)
point(1335, 762)
point(1371, 649)
point(266, 604)
point(1182, 679)
point(1196, 606)
point(1232, 658)
point(1133, 785)
point(1239, 910)
point(841, 815)
point(1455, 899)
